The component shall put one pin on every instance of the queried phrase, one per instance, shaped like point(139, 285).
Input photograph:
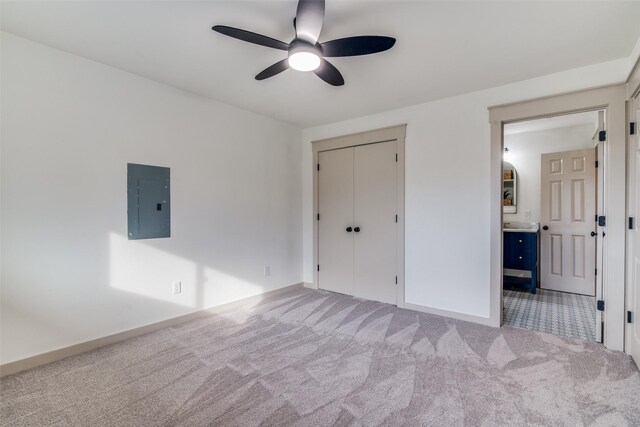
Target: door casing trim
point(612, 100)
point(632, 289)
point(633, 95)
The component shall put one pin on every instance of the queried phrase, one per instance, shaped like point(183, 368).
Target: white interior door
point(568, 205)
point(633, 328)
point(375, 210)
point(335, 201)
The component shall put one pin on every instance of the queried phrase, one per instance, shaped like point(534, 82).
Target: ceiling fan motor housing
point(298, 45)
point(304, 56)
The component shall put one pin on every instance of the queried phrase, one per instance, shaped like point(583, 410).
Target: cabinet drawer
point(519, 262)
point(519, 240)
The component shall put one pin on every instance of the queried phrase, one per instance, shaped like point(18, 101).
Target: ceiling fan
point(304, 51)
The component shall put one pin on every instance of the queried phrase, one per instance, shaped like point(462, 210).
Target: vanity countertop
point(521, 227)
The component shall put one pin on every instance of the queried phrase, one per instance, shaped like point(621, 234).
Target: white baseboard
point(432, 310)
point(452, 314)
point(62, 353)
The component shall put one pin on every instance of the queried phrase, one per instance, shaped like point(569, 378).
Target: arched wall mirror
point(509, 188)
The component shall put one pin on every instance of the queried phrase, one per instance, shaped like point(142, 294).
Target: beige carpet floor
point(310, 358)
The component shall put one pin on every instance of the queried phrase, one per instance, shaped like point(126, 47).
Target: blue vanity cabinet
point(521, 253)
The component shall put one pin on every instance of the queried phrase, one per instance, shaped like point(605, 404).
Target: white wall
point(524, 154)
point(69, 274)
point(447, 253)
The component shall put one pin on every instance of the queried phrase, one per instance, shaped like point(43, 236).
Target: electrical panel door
point(149, 208)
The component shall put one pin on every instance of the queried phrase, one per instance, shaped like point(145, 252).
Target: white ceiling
point(443, 48)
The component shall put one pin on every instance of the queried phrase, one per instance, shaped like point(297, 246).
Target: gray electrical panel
point(148, 202)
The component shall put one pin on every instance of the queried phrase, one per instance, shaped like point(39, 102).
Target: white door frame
point(612, 100)
point(599, 208)
point(633, 95)
point(394, 133)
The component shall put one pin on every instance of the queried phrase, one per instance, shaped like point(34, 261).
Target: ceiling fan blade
point(271, 71)
point(330, 74)
point(250, 37)
point(355, 46)
point(309, 18)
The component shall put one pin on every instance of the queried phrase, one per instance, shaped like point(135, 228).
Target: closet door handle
point(349, 229)
point(593, 234)
point(357, 229)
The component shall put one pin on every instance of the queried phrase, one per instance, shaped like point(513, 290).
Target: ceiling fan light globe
point(304, 61)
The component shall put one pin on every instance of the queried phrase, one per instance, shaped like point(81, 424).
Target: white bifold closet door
point(335, 206)
point(357, 230)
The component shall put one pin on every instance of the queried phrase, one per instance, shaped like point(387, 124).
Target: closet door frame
point(394, 133)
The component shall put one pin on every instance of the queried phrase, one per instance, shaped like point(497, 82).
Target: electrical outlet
point(177, 287)
point(527, 215)
point(267, 271)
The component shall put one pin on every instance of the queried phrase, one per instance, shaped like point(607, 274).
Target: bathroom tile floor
point(559, 313)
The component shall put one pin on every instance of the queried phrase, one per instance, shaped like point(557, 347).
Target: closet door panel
point(375, 209)
point(335, 202)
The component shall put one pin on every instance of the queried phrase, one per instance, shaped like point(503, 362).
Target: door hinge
point(318, 166)
point(318, 217)
point(596, 272)
point(596, 220)
point(602, 220)
point(318, 267)
point(602, 135)
point(632, 128)
point(396, 157)
point(600, 305)
point(596, 163)
point(396, 280)
point(629, 317)
point(396, 218)
point(631, 223)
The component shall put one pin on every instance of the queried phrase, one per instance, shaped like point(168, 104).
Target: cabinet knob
point(357, 229)
point(545, 228)
point(519, 257)
point(520, 241)
point(349, 229)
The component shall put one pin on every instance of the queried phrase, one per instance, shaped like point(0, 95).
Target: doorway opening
point(552, 199)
